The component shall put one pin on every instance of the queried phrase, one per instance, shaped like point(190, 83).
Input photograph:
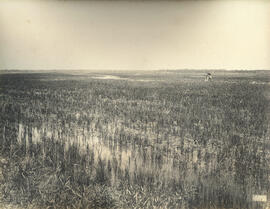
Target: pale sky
point(137, 35)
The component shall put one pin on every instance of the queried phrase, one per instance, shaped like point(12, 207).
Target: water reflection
point(203, 174)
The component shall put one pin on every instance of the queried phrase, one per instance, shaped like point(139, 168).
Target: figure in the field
point(208, 77)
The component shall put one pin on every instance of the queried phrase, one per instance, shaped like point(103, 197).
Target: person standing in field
point(208, 77)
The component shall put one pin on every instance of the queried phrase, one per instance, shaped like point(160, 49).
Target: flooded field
point(113, 141)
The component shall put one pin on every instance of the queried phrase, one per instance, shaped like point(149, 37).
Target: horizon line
point(172, 69)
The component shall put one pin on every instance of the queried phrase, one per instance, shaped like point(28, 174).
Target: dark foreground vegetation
point(169, 141)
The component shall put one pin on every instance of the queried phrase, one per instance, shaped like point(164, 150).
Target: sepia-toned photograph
point(135, 104)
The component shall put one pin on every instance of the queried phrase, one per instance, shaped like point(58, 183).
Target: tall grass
point(118, 144)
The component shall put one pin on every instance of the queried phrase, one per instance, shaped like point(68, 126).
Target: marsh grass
point(84, 143)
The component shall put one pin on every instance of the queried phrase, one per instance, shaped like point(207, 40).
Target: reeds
point(112, 144)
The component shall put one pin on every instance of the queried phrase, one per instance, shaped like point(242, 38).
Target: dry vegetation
point(70, 141)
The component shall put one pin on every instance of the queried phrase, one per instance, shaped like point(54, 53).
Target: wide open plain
point(151, 139)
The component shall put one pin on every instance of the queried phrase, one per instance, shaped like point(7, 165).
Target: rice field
point(157, 139)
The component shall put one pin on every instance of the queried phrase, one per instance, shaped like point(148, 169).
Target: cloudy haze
point(135, 35)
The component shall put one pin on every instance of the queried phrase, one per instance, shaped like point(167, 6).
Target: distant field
point(157, 139)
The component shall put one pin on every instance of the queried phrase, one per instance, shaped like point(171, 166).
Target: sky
point(135, 35)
